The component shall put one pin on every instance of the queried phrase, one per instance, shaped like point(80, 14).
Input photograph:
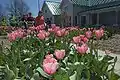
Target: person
point(30, 20)
point(48, 22)
point(24, 19)
point(39, 20)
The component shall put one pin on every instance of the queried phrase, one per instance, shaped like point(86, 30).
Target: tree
point(3, 21)
point(17, 8)
point(1, 11)
point(13, 21)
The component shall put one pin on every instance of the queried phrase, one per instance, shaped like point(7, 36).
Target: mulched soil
point(5, 42)
point(112, 44)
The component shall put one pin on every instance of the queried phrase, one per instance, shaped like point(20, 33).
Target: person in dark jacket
point(30, 18)
point(48, 22)
point(24, 19)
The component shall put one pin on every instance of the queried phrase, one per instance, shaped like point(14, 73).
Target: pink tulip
point(55, 28)
point(49, 59)
point(73, 28)
point(60, 32)
point(40, 27)
point(77, 39)
point(49, 56)
point(16, 34)
point(32, 28)
point(66, 32)
point(88, 34)
point(43, 34)
point(53, 25)
point(102, 31)
point(99, 33)
point(50, 64)
point(82, 49)
point(50, 68)
point(11, 37)
point(59, 54)
point(50, 30)
point(85, 40)
point(107, 52)
point(82, 36)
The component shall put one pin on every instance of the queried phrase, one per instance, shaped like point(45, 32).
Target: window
point(66, 8)
point(70, 21)
point(70, 18)
point(45, 11)
point(51, 18)
point(83, 20)
point(75, 20)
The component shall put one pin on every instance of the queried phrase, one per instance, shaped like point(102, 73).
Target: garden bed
point(55, 54)
point(112, 44)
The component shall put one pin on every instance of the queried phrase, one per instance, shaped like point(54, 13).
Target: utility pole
point(22, 7)
point(38, 5)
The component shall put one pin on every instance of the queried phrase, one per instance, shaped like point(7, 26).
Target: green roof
point(100, 6)
point(99, 2)
point(54, 7)
point(80, 2)
point(91, 2)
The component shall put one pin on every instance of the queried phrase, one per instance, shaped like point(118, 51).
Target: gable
point(63, 3)
point(53, 7)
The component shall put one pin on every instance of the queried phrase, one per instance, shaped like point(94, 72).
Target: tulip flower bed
point(6, 29)
point(55, 54)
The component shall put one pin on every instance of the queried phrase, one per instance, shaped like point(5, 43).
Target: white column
point(98, 19)
point(79, 20)
point(90, 18)
point(116, 17)
point(87, 18)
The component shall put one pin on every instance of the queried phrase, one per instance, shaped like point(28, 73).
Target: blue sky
point(33, 5)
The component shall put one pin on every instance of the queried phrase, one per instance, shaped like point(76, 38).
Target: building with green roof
point(85, 12)
point(52, 11)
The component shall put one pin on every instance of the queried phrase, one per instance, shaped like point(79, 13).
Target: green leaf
point(114, 76)
point(35, 77)
point(27, 59)
point(72, 69)
point(79, 72)
point(86, 74)
point(39, 69)
point(58, 77)
point(61, 77)
point(115, 60)
point(61, 74)
point(108, 58)
point(9, 73)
